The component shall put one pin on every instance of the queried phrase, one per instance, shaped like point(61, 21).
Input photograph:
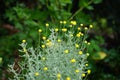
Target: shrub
point(61, 56)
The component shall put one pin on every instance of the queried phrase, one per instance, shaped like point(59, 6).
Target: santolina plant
point(61, 56)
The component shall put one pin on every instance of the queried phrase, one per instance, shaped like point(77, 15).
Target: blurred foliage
point(20, 19)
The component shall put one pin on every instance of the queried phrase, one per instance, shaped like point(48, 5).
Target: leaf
point(90, 7)
point(97, 1)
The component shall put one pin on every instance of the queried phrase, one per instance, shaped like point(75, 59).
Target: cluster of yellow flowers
point(66, 51)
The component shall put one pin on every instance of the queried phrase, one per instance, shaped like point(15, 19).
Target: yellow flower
point(76, 45)
point(48, 40)
point(91, 26)
point(81, 24)
point(45, 68)
point(64, 22)
point(78, 35)
point(68, 78)
point(66, 51)
point(88, 43)
point(86, 64)
point(77, 71)
point(49, 43)
point(43, 46)
point(36, 74)
point(64, 29)
point(87, 54)
point(58, 75)
point(56, 29)
point(59, 40)
point(44, 38)
point(23, 41)
point(46, 24)
point(83, 75)
point(61, 22)
point(72, 60)
point(88, 71)
point(43, 58)
point(85, 41)
point(73, 22)
point(80, 52)
point(39, 30)
point(79, 28)
point(86, 28)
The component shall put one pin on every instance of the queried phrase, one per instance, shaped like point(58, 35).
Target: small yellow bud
point(46, 24)
point(44, 38)
point(61, 22)
point(64, 29)
point(87, 54)
point(70, 26)
point(91, 26)
point(43, 46)
point(45, 68)
point(24, 50)
point(88, 71)
point(71, 35)
point(36, 74)
point(80, 52)
point(68, 78)
point(83, 75)
point(72, 60)
point(59, 40)
point(78, 35)
point(79, 28)
point(85, 42)
point(86, 28)
point(77, 71)
point(73, 22)
point(76, 45)
point(81, 24)
point(86, 64)
point(58, 75)
point(43, 58)
point(39, 30)
point(56, 29)
point(66, 51)
point(88, 43)
point(64, 22)
point(23, 41)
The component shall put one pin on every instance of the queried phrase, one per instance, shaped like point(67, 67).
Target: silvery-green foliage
point(69, 65)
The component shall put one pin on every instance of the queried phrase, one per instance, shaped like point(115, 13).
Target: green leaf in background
point(97, 1)
point(90, 7)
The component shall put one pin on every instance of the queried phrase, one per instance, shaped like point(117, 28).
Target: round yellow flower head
point(81, 24)
point(77, 71)
point(76, 45)
point(43, 58)
point(49, 43)
point(80, 52)
point(56, 29)
point(64, 22)
point(85, 41)
point(64, 29)
point(91, 26)
point(83, 75)
point(73, 22)
point(79, 28)
point(61, 22)
point(43, 46)
point(58, 75)
point(36, 74)
point(40, 30)
point(44, 38)
point(59, 40)
point(46, 24)
point(86, 28)
point(88, 43)
point(70, 26)
point(86, 64)
point(45, 68)
point(88, 71)
point(78, 35)
point(68, 78)
point(72, 60)
point(23, 41)
point(66, 51)
point(87, 54)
